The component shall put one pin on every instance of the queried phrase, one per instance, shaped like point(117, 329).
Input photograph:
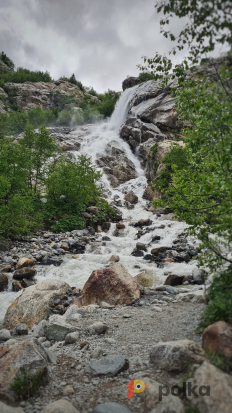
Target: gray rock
point(38, 330)
point(20, 329)
point(111, 408)
point(176, 355)
point(174, 279)
point(5, 335)
point(57, 328)
point(73, 313)
point(198, 276)
point(9, 409)
point(10, 342)
point(3, 282)
point(108, 366)
point(97, 328)
point(60, 406)
point(96, 353)
point(72, 338)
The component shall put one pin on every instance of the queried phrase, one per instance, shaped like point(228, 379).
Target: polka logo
point(135, 386)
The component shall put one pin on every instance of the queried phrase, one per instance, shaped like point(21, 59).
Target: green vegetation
point(34, 168)
point(72, 79)
point(24, 75)
point(27, 386)
point(5, 59)
point(192, 409)
point(219, 360)
point(105, 212)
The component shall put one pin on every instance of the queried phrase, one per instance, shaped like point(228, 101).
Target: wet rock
point(156, 238)
point(168, 260)
point(24, 273)
point(34, 303)
point(72, 338)
point(143, 223)
point(24, 262)
point(174, 279)
point(208, 378)
point(115, 258)
point(218, 338)
point(148, 257)
point(141, 246)
point(113, 285)
point(120, 226)
point(26, 283)
point(137, 253)
point(108, 366)
point(159, 250)
point(56, 261)
point(106, 226)
point(16, 286)
point(26, 357)
point(127, 83)
point(198, 276)
point(97, 328)
point(60, 406)
point(131, 197)
point(106, 239)
point(4, 408)
point(5, 335)
point(146, 278)
point(3, 282)
point(111, 408)
point(57, 328)
point(176, 355)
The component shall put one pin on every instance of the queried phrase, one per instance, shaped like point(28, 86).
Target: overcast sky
point(101, 41)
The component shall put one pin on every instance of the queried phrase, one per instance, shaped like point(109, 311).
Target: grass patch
point(27, 385)
point(218, 360)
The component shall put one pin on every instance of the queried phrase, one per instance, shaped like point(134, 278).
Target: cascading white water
point(94, 141)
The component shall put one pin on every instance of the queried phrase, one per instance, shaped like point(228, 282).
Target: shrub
point(27, 386)
point(105, 212)
point(22, 75)
point(5, 59)
point(219, 360)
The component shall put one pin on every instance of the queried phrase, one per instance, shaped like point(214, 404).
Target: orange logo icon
point(135, 386)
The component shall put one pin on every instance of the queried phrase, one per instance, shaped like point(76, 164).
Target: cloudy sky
point(101, 41)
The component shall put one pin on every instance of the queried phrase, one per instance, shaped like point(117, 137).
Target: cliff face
point(46, 95)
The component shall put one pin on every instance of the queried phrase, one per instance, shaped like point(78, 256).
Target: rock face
point(116, 165)
point(176, 355)
point(34, 303)
point(218, 338)
point(219, 385)
point(26, 357)
point(113, 285)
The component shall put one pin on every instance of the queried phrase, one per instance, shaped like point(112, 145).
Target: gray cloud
point(101, 41)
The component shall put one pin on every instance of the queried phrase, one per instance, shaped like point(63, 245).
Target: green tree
point(208, 23)
point(5, 59)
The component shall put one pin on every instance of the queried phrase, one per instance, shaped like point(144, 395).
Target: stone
point(106, 238)
point(72, 338)
point(143, 223)
point(20, 329)
point(219, 385)
point(106, 226)
point(120, 226)
point(68, 391)
point(73, 314)
point(176, 355)
point(35, 303)
point(145, 279)
point(218, 338)
point(4, 408)
point(84, 344)
point(56, 261)
point(157, 309)
point(141, 246)
point(5, 335)
point(3, 282)
point(158, 250)
point(96, 353)
point(131, 197)
point(114, 258)
point(168, 260)
point(198, 276)
point(113, 285)
point(24, 273)
point(194, 297)
point(108, 366)
point(106, 306)
point(60, 406)
point(174, 279)
point(57, 328)
point(111, 408)
point(38, 330)
point(97, 328)
point(25, 357)
point(24, 262)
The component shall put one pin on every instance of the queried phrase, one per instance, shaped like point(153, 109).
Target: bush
point(25, 75)
point(72, 79)
point(105, 212)
point(27, 386)
point(5, 59)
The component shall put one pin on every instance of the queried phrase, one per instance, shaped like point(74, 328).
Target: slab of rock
point(219, 385)
point(174, 279)
point(3, 282)
point(113, 285)
point(34, 304)
point(24, 272)
point(107, 366)
point(4, 408)
point(176, 355)
point(57, 328)
point(60, 406)
point(25, 357)
point(218, 338)
point(131, 197)
point(24, 262)
point(111, 408)
point(193, 297)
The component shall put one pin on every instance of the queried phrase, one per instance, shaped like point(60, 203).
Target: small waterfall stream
point(94, 140)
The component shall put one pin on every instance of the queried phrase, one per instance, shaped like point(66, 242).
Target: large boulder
point(218, 338)
point(25, 272)
point(60, 406)
point(113, 285)
point(57, 328)
point(176, 355)
point(213, 390)
point(174, 279)
point(17, 360)
point(34, 303)
point(3, 282)
point(148, 278)
point(131, 197)
point(24, 262)
point(4, 408)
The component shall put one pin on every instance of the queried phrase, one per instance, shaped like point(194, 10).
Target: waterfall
point(121, 108)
